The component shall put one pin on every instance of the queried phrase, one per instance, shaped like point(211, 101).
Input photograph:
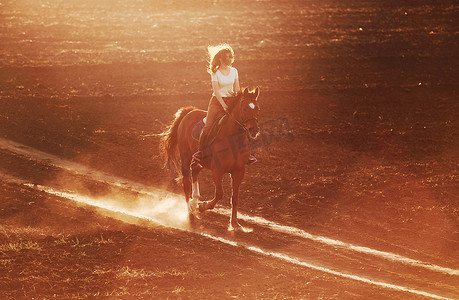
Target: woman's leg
point(213, 111)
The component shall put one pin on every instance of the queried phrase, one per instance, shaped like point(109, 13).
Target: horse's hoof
point(193, 208)
point(203, 206)
point(238, 228)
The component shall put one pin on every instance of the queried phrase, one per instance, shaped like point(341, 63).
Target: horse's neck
point(232, 125)
point(234, 121)
point(235, 112)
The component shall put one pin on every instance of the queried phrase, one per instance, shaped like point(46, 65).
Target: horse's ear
point(246, 92)
point(257, 92)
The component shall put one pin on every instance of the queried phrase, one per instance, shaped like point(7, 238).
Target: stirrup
point(197, 157)
point(196, 160)
point(252, 160)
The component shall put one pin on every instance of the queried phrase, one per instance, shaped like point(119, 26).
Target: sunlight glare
point(170, 211)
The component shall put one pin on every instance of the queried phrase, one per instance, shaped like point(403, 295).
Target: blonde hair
point(216, 53)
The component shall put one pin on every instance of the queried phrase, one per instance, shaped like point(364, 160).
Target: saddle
point(214, 130)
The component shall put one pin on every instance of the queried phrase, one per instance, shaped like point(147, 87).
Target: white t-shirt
point(225, 83)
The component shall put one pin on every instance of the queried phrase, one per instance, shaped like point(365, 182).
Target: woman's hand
point(222, 102)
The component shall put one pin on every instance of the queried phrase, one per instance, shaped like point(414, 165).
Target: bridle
point(243, 122)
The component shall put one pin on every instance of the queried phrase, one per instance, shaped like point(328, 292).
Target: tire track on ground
point(277, 255)
point(147, 190)
point(340, 255)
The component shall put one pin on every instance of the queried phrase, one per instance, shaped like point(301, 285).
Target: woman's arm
point(236, 87)
point(215, 87)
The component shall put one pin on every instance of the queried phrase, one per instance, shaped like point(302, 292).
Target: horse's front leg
point(236, 178)
point(217, 176)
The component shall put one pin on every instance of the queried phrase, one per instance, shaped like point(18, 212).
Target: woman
point(225, 84)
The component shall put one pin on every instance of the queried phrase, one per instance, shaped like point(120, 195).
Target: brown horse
point(227, 152)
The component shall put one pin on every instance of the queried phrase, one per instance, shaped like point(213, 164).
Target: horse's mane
point(236, 101)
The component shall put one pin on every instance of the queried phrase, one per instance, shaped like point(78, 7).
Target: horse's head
point(249, 111)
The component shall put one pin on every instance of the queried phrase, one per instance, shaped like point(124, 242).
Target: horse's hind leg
point(186, 181)
point(187, 185)
point(195, 169)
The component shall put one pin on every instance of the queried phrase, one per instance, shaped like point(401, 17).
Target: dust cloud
point(161, 207)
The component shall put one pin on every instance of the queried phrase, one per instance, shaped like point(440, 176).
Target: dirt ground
point(359, 144)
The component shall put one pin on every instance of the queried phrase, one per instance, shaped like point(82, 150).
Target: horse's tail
point(169, 141)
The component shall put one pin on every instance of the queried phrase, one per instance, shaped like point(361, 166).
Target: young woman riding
point(225, 85)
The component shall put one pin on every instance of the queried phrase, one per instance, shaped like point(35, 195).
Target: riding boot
point(198, 156)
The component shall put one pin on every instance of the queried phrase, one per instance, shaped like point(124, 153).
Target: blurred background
point(279, 45)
